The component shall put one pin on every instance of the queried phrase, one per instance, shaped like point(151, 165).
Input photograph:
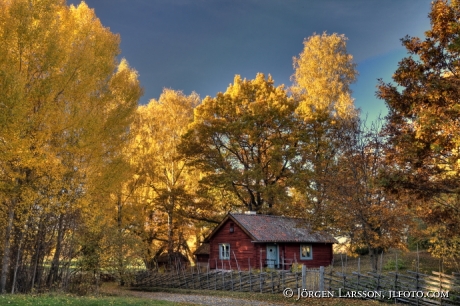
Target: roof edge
point(225, 219)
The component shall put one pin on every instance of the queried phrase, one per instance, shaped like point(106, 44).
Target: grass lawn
point(63, 299)
point(426, 263)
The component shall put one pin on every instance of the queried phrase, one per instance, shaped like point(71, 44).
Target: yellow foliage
point(323, 74)
point(64, 113)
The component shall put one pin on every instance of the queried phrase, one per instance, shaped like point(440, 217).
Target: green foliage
point(391, 265)
point(414, 243)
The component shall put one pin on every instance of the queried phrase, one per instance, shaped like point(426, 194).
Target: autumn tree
point(66, 105)
point(374, 218)
point(321, 85)
point(423, 123)
point(323, 74)
point(245, 138)
point(168, 182)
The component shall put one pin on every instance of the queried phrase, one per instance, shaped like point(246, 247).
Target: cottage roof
point(268, 228)
point(203, 249)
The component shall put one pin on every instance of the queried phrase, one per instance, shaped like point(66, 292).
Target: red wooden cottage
point(243, 240)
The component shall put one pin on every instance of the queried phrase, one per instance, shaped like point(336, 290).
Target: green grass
point(426, 263)
point(62, 299)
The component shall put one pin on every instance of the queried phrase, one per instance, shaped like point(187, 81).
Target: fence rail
point(411, 288)
point(243, 281)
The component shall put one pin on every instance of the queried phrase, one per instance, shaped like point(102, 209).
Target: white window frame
point(224, 251)
point(310, 257)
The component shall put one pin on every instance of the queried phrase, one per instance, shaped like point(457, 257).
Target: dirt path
point(199, 299)
point(185, 298)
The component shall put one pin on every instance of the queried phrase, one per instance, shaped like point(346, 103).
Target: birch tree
point(323, 74)
point(168, 180)
point(65, 108)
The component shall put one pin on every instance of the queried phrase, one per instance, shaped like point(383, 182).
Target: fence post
point(321, 278)
point(396, 285)
point(198, 269)
point(231, 277)
point(236, 261)
point(330, 277)
point(260, 281)
point(304, 277)
point(273, 285)
point(282, 260)
point(223, 276)
point(239, 273)
point(359, 274)
point(193, 272)
point(215, 278)
point(283, 276)
point(207, 274)
point(250, 279)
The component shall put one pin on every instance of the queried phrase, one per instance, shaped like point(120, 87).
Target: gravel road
point(184, 298)
point(199, 299)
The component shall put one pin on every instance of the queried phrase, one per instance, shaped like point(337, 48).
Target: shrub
point(361, 250)
point(391, 264)
point(296, 267)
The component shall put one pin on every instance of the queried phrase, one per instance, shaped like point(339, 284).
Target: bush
point(361, 250)
point(391, 264)
point(296, 267)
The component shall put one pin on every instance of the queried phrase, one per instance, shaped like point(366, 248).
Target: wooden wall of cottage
point(244, 252)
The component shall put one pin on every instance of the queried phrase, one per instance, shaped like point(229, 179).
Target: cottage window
point(306, 251)
point(224, 251)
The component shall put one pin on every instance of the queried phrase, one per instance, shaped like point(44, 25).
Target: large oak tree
point(424, 122)
point(245, 138)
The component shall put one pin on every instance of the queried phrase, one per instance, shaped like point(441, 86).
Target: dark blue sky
point(199, 45)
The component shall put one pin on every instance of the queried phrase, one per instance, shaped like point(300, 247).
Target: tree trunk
point(52, 276)
point(38, 250)
point(374, 256)
point(16, 265)
point(170, 233)
point(6, 248)
point(120, 240)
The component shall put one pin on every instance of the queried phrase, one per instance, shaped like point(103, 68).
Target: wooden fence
point(411, 288)
point(244, 281)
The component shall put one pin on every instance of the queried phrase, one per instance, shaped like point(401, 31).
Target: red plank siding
point(241, 248)
point(322, 254)
point(243, 252)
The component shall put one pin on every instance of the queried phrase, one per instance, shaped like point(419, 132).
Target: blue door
point(272, 255)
